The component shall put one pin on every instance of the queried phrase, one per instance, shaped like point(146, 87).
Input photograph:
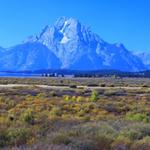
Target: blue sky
point(126, 21)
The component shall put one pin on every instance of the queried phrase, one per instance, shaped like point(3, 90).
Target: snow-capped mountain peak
point(71, 45)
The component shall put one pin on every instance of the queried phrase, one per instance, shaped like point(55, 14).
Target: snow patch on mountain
point(65, 39)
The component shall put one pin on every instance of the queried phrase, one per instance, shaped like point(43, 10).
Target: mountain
point(69, 45)
point(145, 57)
point(29, 56)
point(2, 51)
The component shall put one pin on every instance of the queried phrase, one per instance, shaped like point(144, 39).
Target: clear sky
point(126, 21)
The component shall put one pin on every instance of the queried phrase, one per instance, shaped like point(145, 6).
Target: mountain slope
point(116, 56)
point(29, 56)
point(145, 57)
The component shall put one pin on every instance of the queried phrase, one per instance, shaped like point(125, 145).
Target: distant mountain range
point(70, 45)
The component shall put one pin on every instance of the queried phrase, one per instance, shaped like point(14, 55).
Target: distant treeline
point(78, 73)
point(96, 73)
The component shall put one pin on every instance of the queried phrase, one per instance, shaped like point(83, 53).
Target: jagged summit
point(71, 45)
point(120, 45)
point(64, 22)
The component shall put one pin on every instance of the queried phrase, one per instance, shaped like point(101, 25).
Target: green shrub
point(41, 95)
point(10, 104)
point(79, 99)
point(143, 144)
point(27, 116)
point(3, 138)
point(73, 98)
point(135, 131)
point(94, 96)
point(61, 138)
point(17, 136)
point(137, 117)
point(121, 143)
point(56, 111)
point(131, 134)
point(103, 142)
point(67, 98)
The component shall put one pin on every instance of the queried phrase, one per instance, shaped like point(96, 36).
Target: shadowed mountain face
point(145, 57)
point(68, 45)
point(29, 56)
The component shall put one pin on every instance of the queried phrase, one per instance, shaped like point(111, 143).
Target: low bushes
point(27, 116)
point(60, 138)
point(15, 136)
point(55, 112)
point(141, 117)
point(94, 96)
point(143, 144)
